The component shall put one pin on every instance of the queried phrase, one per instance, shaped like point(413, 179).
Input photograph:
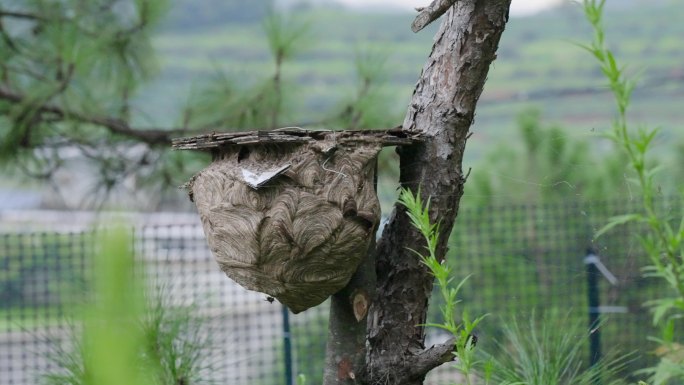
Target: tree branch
point(20, 15)
point(431, 13)
point(7, 38)
point(154, 136)
point(433, 357)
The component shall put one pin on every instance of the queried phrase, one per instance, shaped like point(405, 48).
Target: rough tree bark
point(442, 108)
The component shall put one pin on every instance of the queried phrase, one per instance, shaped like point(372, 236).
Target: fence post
point(594, 313)
point(287, 345)
point(594, 267)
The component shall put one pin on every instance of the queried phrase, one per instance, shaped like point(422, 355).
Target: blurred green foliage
point(546, 164)
point(533, 57)
point(548, 349)
point(112, 342)
point(123, 334)
point(663, 242)
point(88, 57)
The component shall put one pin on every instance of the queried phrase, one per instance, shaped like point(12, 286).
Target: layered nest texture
point(290, 220)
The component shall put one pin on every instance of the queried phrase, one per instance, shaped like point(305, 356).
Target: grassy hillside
point(538, 65)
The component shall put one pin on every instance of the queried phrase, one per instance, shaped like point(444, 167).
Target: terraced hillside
point(539, 65)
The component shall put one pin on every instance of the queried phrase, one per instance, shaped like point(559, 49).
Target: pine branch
point(154, 136)
point(7, 38)
point(431, 13)
point(20, 15)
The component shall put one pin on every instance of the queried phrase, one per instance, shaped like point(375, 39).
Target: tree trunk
point(345, 353)
point(442, 108)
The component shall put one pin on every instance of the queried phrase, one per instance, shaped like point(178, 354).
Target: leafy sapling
point(462, 331)
point(664, 242)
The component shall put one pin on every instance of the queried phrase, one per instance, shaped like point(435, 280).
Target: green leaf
point(612, 64)
point(668, 331)
point(301, 379)
point(660, 307)
point(644, 139)
point(617, 221)
point(440, 326)
point(653, 171)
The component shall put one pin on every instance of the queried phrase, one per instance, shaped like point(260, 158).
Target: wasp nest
point(292, 220)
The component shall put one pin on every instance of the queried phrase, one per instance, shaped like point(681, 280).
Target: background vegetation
point(350, 69)
point(536, 66)
point(216, 69)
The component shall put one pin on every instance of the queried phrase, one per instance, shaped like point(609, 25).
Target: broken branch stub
point(289, 213)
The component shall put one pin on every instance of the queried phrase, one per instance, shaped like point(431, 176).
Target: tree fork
point(442, 108)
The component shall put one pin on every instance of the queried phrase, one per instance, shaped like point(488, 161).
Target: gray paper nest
point(290, 212)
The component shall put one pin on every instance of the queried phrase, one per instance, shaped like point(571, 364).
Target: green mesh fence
point(522, 261)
